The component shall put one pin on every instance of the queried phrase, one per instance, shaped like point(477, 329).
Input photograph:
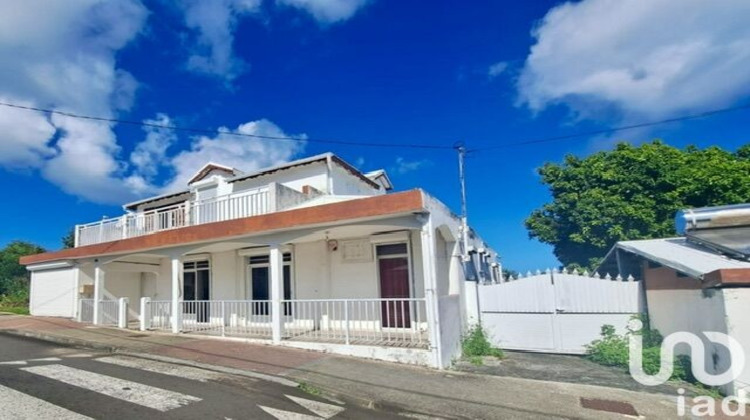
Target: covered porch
point(355, 289)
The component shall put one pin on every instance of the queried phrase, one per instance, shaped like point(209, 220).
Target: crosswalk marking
point(14, 363)
point(45, 359)
point(186, 372)
point(19, 406)
point(320, 408)
point(287, 415)
point(147, 396)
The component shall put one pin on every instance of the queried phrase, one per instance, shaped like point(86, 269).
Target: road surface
point(39, 380)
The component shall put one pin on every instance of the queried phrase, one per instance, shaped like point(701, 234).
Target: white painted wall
point(314, 175)
point(344, 183)
point(737, 316)
point(53, 293)
point(694, 311)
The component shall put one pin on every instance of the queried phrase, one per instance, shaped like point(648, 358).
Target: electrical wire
point(228, 133)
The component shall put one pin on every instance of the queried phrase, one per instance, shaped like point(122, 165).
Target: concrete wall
point(314, 175)
point(344, 183)
point(737, 307)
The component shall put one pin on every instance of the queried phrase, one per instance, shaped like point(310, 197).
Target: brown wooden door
point(394, 284)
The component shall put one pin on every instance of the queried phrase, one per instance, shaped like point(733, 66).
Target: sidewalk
point(446, 394)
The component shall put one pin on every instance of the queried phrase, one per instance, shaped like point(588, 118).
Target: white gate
point(557, 312)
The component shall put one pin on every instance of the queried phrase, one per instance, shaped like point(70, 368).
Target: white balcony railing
point(380, 322)
point(227, 207)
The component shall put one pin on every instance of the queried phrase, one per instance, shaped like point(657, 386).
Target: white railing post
point(145, 313)
point(79, 316)
point(277, 292)
point(223, 318)
point(76, 236)
point(98, 292)
point(176, 292)
point(346, 321)
point(122, 312)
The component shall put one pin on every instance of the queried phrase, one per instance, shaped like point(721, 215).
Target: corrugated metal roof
point(681, 255)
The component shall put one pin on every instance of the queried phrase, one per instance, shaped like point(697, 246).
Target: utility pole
point(461, 149)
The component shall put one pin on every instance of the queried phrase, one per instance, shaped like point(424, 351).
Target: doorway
point(260, 283)
point(196, 289)
point(393, 270)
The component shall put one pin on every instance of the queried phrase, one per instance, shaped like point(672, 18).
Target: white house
point(698, 282)
point(312, 254)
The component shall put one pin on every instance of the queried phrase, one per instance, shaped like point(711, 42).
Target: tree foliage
point(632, 192)
point(68, 241)
point(13, 276)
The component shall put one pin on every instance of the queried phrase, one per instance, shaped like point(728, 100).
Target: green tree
point(632, 192)
point(13, 276)
point(68, 241)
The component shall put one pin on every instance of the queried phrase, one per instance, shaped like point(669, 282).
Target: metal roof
point(679, 254)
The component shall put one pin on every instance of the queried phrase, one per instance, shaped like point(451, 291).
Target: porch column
point(176, 295)
point(276, 268)
point(432, 300)
point(98, 291)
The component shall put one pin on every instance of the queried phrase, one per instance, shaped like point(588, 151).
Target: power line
point(228, 133)
point(614, 129)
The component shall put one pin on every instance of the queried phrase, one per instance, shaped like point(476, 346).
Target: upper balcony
point(268, 199)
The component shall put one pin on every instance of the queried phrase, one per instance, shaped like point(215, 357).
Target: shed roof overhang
point(352, 210)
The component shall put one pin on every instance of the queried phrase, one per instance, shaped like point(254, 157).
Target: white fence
point(86, 310)
point(227, 317)
point(232, 206)
point(159, 314)
point(388, 322)
point(557, 312)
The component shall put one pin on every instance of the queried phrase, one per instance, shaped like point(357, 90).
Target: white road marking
point(14, 363)
point(147, 396)
point(180, 371)
point(45, 359)
point(77, 356)
point(322, 409)
point(287, 415)
point(17, 405)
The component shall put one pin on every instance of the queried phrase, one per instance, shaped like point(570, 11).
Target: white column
point(145, 313)
point(98, 292)
point(176, 295)
point(76, 293)
point(276, 269)
point(430, 286)
point(122, 312)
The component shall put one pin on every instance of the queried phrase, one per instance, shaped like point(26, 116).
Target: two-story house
point(312, 254)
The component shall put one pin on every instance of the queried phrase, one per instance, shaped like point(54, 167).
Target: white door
point(53, 293)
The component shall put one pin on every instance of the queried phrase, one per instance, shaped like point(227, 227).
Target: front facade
point(311, 254)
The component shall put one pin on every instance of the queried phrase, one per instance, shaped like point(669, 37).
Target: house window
point(196, 276)
point(259, 282)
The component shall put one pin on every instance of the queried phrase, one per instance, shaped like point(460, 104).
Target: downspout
point(329, 174)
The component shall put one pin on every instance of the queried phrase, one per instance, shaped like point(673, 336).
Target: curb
point(71, 342)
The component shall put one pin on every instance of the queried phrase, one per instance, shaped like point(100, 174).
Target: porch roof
point(363, 208)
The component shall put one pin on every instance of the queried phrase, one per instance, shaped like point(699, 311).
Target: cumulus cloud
point(149, 155)
point(497, 69)
point(244, 153)
point(327, 11)
point(214, 22)
point(640, 58)
point(404, 166)
point(64, 59)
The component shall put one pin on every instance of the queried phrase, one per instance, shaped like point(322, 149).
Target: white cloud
point(327, 11)
point(497, 69)
point(61, 55)
point(214, 21)
point(244, 153)
point(403, 166)
point(149, 155)
point(642, 58)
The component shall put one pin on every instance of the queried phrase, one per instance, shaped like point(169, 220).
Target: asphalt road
point(40, 380)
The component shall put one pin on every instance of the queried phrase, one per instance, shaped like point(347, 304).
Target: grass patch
point(18, 310)
point(612, 350)
point(476, 344)
point(309, 389)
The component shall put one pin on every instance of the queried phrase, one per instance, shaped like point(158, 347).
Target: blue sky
point(381, 71)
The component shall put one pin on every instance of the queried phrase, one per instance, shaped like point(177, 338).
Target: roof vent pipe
point(712, 217)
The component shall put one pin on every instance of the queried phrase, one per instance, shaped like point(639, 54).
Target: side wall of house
point(678, 304)
point(314, 175)
point(344, 183)
point(737, 315)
